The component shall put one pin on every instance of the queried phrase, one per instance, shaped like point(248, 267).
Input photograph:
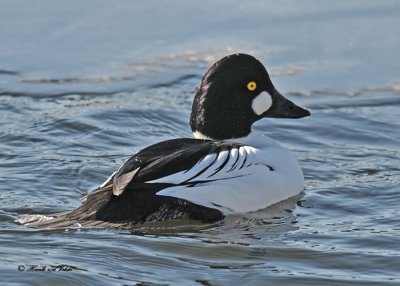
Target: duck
point(227, 168)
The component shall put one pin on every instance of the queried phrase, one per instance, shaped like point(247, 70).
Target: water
point(85, 85)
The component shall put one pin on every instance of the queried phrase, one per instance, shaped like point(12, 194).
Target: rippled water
point(83, 88)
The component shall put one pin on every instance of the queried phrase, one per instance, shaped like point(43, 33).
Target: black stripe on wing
point(221, 166)
point(170, 157)
point(236, 161)
point(244, 161)
point(202, 171)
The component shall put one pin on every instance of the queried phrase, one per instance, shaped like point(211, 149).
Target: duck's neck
point(199, 135)
point(253, 139)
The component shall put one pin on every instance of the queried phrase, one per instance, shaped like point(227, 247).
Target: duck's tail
point(83, 216)
point(138, 205)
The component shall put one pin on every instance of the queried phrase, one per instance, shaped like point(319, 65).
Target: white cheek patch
point(261, 103)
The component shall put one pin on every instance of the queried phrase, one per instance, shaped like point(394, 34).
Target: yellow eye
point(251, 86)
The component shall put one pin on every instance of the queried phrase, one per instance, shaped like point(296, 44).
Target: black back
point(170, 157)
point(139, 202)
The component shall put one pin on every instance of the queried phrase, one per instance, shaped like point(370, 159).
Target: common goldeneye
point(226, 169)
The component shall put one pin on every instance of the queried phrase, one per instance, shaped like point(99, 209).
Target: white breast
point(251, 178)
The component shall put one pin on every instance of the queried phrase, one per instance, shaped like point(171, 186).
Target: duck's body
point(225, 170)
point(247, 175)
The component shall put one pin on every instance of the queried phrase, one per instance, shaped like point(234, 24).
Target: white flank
point(247, 185)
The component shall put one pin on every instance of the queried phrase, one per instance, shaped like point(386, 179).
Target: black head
point(234, 93)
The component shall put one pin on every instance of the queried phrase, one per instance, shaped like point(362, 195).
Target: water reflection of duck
point(226, 169)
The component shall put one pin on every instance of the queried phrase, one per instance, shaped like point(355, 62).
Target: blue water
point(83, 85)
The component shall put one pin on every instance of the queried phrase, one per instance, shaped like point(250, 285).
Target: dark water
point(85, 85)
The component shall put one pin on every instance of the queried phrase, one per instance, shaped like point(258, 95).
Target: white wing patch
point(251, 156)
point(212, 170)
point(183, 176)
point(239, 180)
point(223, 165)
point(233, 159)
point(255, 190)
point(242, 157)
